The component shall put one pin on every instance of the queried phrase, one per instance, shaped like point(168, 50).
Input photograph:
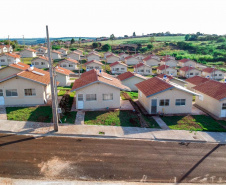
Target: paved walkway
point(68, 130)
point(161, 123)
point(3, 115)
point(80, 118)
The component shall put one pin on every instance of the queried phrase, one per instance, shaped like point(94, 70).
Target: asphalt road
point(27, 157)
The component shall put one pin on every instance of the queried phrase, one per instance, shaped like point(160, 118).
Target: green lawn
point(26, 60)
point(62, 92)
point(37, 114)
point(132, 94)
point(117, 118)
point(194, 123)
point(69, 117)
point(112, 118)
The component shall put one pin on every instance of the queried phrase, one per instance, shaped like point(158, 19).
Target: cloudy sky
point(103, 17)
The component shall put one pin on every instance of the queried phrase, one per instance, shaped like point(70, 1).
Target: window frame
point(11, 92)
point(223, 105)
point(32, 93)
point(111, 96)
point(89, 99)
point(180, 101)
point(164, 101)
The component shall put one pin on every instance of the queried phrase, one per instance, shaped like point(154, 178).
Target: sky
point(96, 18)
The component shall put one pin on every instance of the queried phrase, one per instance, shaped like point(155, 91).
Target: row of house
point(5, 49)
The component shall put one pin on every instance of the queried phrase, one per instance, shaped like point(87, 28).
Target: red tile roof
point(162, 75)
point(93, 53)
point(14, 55)
point(54, 51)
point(214, 89)
point(209, 70)
point(63, 70)
point(20, 65)
point(152, 86)
point(74, 52)
point(184, 60)
point(44, 47)
point(63, 49)
point(43, 58)
point(128, 74)
point(32, 50)
point(197, 80)
point(130, 56)
point(70, 60)
point(186, 68)
point(140, 65)
point(111, 55)
point(122, 54)
point(162, 67)
point(94, 76)
point(149, 57)
point(93, 61)
point(117, 62)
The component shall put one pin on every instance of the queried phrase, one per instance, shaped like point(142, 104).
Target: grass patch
point(64, 88)
point(62, 92)
point(26, 60)
point(36, 114)
point(112, 118)
point(194, 123)
point(69, 117)
point(151, 122)
point(133, 95)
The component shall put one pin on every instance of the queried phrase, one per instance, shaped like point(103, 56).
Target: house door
point(2, 100)
point(223, 110)
point(80, 101)
point(153, 106)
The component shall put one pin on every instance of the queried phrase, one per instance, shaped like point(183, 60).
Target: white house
point(93, 56)
point(123, 56)
point(63, 51)
point(74, 55)
point(63, 76)
point(132, 60)
point(28, 53)
point(186, 62)
point(151, 60)
point(9, 58)
point(107, 53)
point(3, 49)
point(164, 69)
point(112, 58)
point(213, 73)
point(139, 56)
point(69, 64)
point(42, 50)
point(41, 62)
point(55, 54)
point(143, 69)
point(169, 62)
point(118, 67)
point(93, 64)
point(189, 72)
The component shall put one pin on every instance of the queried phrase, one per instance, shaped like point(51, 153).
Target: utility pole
point(53, 85)
point(24, 49)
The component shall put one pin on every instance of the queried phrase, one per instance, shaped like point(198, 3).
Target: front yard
point(36, 114)
point(194, 123)
point(116, 118)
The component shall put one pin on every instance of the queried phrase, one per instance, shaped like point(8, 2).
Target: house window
point(220, 74)
point(191, 73)
point(1, 92)
point(122, 69)
point(64, 65)
point(71, 65)
point(11, 92)
point(29, 92)
point(91, 97)
point(215, 74)
point(223, 106)
point(97, 67)
point(180, 102)
point(141, 70)
point(196, 74)
point(36, 63)
point(117, 69)
point(2, 60)
point(108, 96)
point(148, 71)
point(9, 60)
point(43, 63)
point(164, 102)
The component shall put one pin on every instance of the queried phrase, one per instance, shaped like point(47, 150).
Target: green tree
point(95, 45)
point(150, 46)
point(125, 35)
point(72, 41)
point(221, 39)
point(106, 47)
point(187, 37)
point(134, 34)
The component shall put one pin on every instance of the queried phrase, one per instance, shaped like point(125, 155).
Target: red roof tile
point(63, 70)
point(140, 65)
point(70, 60)
point(93, 61)
point(54, 51)
point(162, 67)
point(130, 56)
point(214, 89)
point(149, 57)
point(14, 55)
point(152, 86)
point(209, 70)
point(197, 80)
point(117, 62)
point(94, 76)
point(43, 58)
point(29, 49)
point(186, 68)
point(184, 60)
point(128, 74)
point(20, 65)
point(111, 55)
point(93, 53)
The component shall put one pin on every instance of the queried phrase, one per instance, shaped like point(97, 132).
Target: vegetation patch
point(36, 114)
point(69, 117)
point(193, 123)
point(112, 118)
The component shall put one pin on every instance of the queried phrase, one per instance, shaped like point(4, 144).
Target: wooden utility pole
point(53, 85)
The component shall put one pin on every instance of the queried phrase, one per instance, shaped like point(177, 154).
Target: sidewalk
point(66, 130)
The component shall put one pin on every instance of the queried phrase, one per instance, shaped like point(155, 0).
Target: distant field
point(143, 40)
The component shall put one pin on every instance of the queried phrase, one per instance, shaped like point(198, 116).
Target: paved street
point(112, 160)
